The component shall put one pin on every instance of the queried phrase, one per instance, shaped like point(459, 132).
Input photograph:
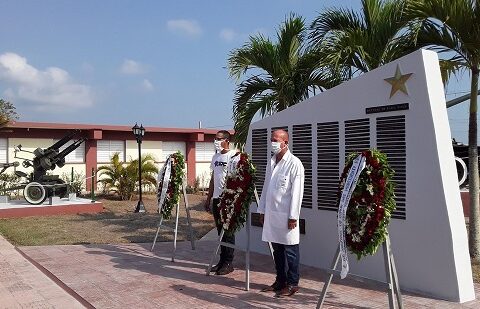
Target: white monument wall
point(429, 237)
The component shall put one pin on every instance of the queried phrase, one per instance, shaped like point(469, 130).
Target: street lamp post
point(139, 132)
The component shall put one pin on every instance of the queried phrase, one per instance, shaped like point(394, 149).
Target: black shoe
point(224, 270)
point(215, 268)
point(275, 287)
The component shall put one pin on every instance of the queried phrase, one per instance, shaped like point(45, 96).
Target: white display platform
point(21, 208)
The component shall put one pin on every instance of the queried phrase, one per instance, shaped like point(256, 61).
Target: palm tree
point(122, 179)
point(149, 170)
point(452, 27)
point(283, 73)
point(357, 42)
point(110, 175)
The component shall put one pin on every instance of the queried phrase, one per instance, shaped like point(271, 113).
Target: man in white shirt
point(220, 165)
point(279, 207)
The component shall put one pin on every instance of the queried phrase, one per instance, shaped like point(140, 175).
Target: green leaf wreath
point(371, 205)
point(174, 186)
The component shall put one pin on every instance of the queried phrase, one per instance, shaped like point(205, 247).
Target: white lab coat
point(282, 199)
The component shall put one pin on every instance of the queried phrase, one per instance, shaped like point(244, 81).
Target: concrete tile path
point(130, 276)
point(22, 285)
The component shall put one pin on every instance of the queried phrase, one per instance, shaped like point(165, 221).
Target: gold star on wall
point(398, 82)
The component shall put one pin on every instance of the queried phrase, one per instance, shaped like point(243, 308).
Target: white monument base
point(53, 200)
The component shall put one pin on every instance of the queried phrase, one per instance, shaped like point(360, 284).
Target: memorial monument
point(399, 109)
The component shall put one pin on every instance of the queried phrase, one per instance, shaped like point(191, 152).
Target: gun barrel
point(70, 148)
point(64, 140)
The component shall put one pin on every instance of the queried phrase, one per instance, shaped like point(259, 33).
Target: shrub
point(77, 184)
point(189, 189)
point(121, 178)
point(9, 181)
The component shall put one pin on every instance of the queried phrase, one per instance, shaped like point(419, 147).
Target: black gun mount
point(40, 185)
point(51, 157)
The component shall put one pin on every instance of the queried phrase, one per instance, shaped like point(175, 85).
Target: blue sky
point(160, 63)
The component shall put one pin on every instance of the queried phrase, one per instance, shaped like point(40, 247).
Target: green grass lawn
point(476, 271)
point(116, 224)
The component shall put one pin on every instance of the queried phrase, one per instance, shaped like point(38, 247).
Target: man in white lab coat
point(279, 207)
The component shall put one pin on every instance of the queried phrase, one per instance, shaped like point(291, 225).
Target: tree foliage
point(121, 178)
point(355, 42)
point(7, 113)
point(280, 74)
point(452, 27)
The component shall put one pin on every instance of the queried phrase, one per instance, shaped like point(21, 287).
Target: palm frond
point(285, 71)
point(244, 113)
point(290, 37)
point(449, 68)
point(251, 88)
point(331, 21)
point(449, 25)
point(361, 41)
point(259, 52)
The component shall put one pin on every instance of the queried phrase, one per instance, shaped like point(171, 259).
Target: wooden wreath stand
point(247, 250)
point(175, 230)
point(392, 285)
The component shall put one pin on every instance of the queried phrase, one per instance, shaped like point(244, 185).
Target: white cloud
point(132, 67)
point(147, 85)
point(52, 87)
point(228, 34)
point(184, 26)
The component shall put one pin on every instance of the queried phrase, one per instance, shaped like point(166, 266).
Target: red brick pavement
point(22, 285)
point(130, 276)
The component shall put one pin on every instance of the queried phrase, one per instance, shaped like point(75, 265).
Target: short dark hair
point(225, 134)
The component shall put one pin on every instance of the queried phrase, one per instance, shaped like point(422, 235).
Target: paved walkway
point(130, 276)
point(22, 285)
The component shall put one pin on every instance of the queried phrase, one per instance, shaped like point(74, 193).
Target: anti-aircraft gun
point(40, 186)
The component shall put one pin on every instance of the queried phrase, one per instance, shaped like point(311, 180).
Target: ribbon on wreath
point(166, 181)
point(350, 183)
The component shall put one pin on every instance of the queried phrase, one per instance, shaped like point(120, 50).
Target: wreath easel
point(234, 208)
point(365, 202)
point(170, 185)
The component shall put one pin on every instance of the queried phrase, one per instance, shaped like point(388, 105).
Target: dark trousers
point(287, 261)
point(226, 253)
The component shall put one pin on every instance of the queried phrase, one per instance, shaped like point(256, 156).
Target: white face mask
point(218, 145)
point(276, 147)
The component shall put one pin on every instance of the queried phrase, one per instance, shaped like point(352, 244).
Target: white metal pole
point(215, 252)
point(158, 230)
point(176, 231)
point(189, 220)
point(247, 254)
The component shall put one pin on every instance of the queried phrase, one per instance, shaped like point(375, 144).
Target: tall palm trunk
point(473, 182)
